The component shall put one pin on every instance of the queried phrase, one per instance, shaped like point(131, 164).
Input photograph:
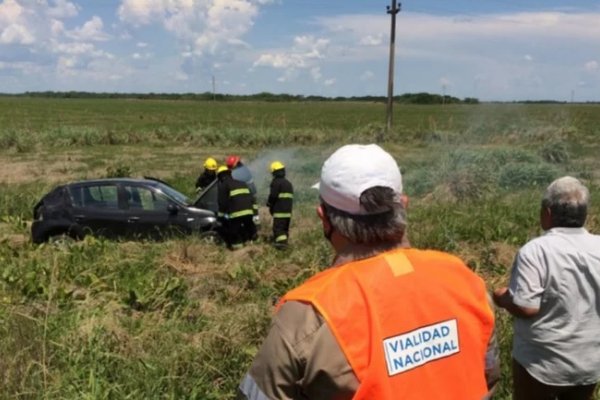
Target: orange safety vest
point(413, 324)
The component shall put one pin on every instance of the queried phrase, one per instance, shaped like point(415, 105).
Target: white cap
point(351, 170)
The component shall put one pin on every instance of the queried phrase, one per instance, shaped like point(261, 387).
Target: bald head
point(567, 199)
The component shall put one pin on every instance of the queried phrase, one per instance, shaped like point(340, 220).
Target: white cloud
point(141, 44)
point(141, 56)
point(306, 53)
point(90, 30)
point(56, 27)
point(13, 29)
point(591, 66)
point(62, 9)
point(10, 11)
point(329, 82)
point(528, 57)
point(210, 26)
point(207, 31)
point(16, 34)
point(367, 75)
point(315, 73)
point(371, 40)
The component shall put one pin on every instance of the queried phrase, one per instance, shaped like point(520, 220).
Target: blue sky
point(489, 49)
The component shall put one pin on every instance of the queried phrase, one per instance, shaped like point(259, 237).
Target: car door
point(96, 209)
point(150, 212)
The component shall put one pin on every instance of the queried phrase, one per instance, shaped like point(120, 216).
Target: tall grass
point(182, 318)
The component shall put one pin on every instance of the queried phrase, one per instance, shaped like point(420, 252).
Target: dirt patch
point(56, 168)
point(17, 171)
point(195, 259)
point(14, 241)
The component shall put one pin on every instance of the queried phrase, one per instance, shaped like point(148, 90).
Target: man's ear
point(546, 218)
point(324, 218)
point(404, 201)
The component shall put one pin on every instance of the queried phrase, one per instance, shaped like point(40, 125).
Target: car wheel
point(61, 239)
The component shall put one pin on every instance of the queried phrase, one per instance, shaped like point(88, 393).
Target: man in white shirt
point(554, 295)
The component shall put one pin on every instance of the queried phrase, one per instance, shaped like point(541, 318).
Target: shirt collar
point(566, 231)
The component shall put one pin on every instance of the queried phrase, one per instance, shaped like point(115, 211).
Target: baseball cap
point(351, 170)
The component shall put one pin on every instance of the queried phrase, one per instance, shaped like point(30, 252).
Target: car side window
point(142, 198)
point(96, 196)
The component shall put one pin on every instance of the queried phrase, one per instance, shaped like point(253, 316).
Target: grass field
point(183, 318)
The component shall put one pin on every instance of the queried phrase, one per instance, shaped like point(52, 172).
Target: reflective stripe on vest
point(285, 195)
point(237, 192)
point(281, 238)
point(420, 324)
point(282, 215)
point(251, 390)
point(241, 213)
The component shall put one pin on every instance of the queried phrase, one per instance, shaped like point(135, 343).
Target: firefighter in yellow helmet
point(208, 175)
point(280, 201)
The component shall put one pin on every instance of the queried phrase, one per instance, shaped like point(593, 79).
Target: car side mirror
point(172, 209)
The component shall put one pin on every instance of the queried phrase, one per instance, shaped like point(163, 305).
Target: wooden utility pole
point(214, 87)
point(393, 10)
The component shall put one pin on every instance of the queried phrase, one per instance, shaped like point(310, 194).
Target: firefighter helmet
point(210, 164)
point(232, 161)
point(276, 166)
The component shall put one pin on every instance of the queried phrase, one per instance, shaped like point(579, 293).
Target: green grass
point(183, 318)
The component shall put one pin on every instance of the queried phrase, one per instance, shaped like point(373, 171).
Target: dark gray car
point(122, 207)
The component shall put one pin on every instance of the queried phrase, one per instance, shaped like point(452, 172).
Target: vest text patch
point(421, 346)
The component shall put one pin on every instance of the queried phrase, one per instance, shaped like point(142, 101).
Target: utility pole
point(443, 94)
point(393, 10)
point(214, 88)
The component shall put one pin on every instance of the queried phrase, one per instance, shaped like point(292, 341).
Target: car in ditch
point(123, 208)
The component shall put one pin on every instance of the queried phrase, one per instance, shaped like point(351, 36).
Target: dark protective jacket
point(205, 178)
point(235, 199)
point(281, 196)
point(242, 173)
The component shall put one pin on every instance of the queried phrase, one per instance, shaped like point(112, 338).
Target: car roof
point(114, 180)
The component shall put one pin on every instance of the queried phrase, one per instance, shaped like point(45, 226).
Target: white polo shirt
point(559, 273)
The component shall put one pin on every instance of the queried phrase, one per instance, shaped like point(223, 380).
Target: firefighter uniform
point(236, 209)
point(280, 202)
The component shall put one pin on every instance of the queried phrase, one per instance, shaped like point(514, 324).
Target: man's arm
point(523, 296)
point(300, 358)
point(273, 194)
point(223, 198)
point(504, 299)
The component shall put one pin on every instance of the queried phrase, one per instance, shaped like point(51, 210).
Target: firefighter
point(242, 173)
point(236, 209)
point(281, 197)
point(208, 175)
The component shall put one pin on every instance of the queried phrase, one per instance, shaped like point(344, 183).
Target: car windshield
point(169, 191)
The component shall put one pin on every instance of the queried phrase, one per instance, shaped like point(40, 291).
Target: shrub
point(118, 171)
point(519, 175)
point(556, 152)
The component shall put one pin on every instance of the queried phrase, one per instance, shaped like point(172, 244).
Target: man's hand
point(503, 298)
point(500, 296)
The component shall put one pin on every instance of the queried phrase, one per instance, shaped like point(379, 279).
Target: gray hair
point(568, 199)
point(385, 223)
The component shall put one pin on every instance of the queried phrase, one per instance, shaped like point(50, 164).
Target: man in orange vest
point(386, 321)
